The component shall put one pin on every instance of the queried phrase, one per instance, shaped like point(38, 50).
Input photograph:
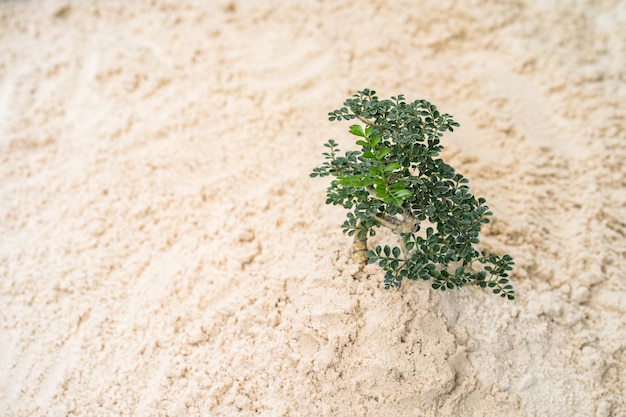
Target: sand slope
point(163, 251)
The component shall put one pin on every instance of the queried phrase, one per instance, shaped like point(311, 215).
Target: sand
point(163, 251)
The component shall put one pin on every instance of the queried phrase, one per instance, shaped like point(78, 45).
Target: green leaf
point(392, 166)
point(355, 181)
point(383, 152)
point(402, 193)
point(357, 130)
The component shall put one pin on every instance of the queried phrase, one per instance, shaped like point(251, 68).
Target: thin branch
point(359, 246)
point(366, 121)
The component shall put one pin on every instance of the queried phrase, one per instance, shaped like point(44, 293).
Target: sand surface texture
point(163, 251)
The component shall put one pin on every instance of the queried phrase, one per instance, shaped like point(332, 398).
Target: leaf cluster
point(397, 177)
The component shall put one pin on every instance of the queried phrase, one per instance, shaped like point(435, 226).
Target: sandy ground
point(163, 251)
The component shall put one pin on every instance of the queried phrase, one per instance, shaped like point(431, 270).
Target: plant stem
point(359, 246)
point(397, 226)
point(364, 120)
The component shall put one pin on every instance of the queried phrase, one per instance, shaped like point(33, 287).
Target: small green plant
point(397, 180)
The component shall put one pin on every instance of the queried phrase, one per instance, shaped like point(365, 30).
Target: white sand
point(163, 251)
